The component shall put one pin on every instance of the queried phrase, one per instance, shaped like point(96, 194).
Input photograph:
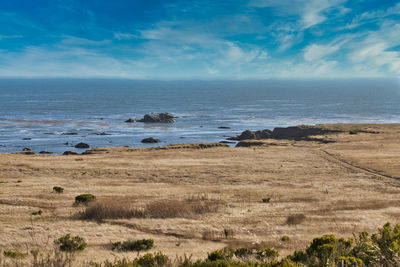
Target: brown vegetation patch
point(181, 208)
point(169, 208)
point(110, 209)
point(295, 219)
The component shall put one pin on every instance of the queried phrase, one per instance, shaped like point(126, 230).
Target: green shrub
point(222, 254)
point(327, 248)
point(285, 238)
point(267, 253)
point(14, 254)
point(243, 252)
point(133, 245)
point(70, 244)
point(266, 200)
point(354, 131)
point(150, 260)
point(381, 249)
point(147, 260)
point(39, 212)
point(84, 198)
point(351, 261)
point(58, 189)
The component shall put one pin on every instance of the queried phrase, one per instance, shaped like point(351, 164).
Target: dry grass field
point(194, 200)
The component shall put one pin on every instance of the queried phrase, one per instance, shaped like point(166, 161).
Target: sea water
point(41, 111)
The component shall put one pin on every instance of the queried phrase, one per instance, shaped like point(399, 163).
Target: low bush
point(266, 200)
point(133, 245)
point(58, 189)
point(14, 254)
point(84, 198)
point(70, 243)
point(295, 219)
point(222, 254)
point(285, 238)
point(39, 212)
point(147, 260)
point(110, 209)
point(121, 209)
point(267, 254)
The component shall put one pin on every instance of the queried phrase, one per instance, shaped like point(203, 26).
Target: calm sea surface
point(41, 110)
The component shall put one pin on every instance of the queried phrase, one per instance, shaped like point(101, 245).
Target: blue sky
point(204, 39)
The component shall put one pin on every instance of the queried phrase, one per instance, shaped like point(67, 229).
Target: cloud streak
point(203, 39)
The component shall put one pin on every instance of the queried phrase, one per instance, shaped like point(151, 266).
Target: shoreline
point(228, 140)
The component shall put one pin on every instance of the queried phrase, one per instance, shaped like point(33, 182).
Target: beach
point(339, 183)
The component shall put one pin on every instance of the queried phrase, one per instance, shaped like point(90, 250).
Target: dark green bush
point(39, 212)
point(84, 198)
point(222, 254)
point(285, 238)
point(58, 189)
point(243, 252)
point(267, 254)
point(133, 245)
point(381, 249)
point(14, 254)
point(266, 200)
point(70, 243)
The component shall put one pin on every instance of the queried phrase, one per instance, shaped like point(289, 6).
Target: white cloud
point(315, 51)
point(124, 36)
point(311, 12)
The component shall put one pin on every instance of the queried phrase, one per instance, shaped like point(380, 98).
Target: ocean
point(41, 111)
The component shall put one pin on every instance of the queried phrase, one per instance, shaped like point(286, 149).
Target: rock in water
point(158, 117)
point(130, 120)
point(27, 151)
point(82, 145)
point(150, 140)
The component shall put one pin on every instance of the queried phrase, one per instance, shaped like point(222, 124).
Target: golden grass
point(189, 196)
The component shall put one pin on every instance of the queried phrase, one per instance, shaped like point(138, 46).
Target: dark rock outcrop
point(224, 127)
point(70, 153)
point(130, 120)
point(69, 133)
point(249, 135)
point(249, 143)
point(82, 145)
point(102, 133)
point(150, 140)
point(27, 151)
point(45, 152)
point(26, 139)
point(158, 118)
point(302, 132)
point(226, 142)
point(299, 132)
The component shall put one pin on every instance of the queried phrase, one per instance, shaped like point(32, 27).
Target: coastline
point(342, 187)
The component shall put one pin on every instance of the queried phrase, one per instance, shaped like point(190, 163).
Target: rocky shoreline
point(247, 138)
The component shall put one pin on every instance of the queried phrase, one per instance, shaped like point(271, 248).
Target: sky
point(204, 39)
